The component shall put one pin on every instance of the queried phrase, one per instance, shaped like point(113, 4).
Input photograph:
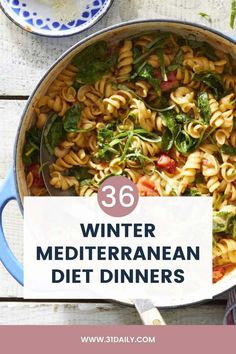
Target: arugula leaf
point(93, 62)
point(72, 118)
point(31, 147)
point(167, 140)
point(204, 106)
point(147, 73)
point(233, 13)
point(80, 173)
point(177, 61)
point(53, 133)
point(184, 143)
point(228, 150)
point(211, 80)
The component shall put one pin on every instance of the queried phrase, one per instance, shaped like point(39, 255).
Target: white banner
point(161, 251)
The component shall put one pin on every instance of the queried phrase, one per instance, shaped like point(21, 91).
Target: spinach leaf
point(213, 81)
point(80, 173)
point(184, 143)
point(169, 118)
point(147, 73)
point(93, 62)
point(203, 105)
point(72, 118)
point(31, 148)
point(53, 133)
point(177, 61)
point(167, 140)
point(192, 192)
point(228, 150)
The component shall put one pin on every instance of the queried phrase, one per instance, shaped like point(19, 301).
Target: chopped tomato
point(218, 273)
point(165, 162)
point(146, 187)
point(170, 83)
point(38, 180)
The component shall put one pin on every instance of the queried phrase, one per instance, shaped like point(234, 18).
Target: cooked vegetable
point(147, 73)
point(72, 118)
point(204, 106)
point(53, 133)
point(228, 150)
point(31, 148)
point(213, 81)
point(93, 62)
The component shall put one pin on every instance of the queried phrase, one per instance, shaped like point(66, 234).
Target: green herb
point(177, 61)
point(105, 151)
point(192, 192)
point(204, 106)
point(233, 13)
point(80, 173)
point(167, 140)
point(183, 118)
point(211, 80)
point(160, 54)
point(228, 150)
point(93, 62)
point(53, 133)
point(72, 118)
point(32, 146)
point(147, 73)
point(206, 16)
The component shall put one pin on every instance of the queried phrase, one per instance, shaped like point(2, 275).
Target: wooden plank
point(25, 57)
point(101, 314)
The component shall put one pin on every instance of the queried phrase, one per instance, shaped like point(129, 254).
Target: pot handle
point(7, 193)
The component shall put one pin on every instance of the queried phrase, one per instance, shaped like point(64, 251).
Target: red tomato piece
point(170, 83)
point(165, 162)
point(146, 187)
point(218, 273)
point(38, 180)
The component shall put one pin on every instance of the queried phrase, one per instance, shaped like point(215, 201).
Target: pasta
point(157, 108)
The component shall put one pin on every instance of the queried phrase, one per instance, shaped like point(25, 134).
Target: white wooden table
point(23, 60)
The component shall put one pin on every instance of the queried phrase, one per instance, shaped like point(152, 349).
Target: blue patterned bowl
point(39, 18)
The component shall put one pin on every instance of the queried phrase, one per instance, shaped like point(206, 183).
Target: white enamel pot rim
point(16, 181)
